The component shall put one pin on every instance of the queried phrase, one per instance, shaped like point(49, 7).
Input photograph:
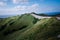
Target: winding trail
point(42, 17)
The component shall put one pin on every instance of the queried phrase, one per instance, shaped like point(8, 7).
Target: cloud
point(32, 8)
point(20, 1)
point(3, 0)
point(3, 3)
point(42, 0)
point(20, 9)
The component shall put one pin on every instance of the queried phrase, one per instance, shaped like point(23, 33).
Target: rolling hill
point(27, 27)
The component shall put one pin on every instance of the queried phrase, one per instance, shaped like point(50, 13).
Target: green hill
point(27, 27)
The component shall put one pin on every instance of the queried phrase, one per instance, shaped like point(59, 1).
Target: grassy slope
point(46, 29)
point(14, 24)
point(27, 29)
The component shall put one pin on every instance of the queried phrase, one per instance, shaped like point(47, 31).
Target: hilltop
point(57, 14)
point(28, 27)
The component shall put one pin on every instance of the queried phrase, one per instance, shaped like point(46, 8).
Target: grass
point(27, 27)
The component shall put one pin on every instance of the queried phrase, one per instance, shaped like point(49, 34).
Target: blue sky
point(15, 7)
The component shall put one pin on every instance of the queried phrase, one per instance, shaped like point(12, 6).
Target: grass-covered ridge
point(27, 27)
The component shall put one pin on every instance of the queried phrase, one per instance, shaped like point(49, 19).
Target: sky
point(17, 7)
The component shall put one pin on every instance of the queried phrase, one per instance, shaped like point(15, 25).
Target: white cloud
point(4, 0)
point(2, 4)
point(20, 1)
point(42, 0)
point(34, 8)
point(20, 9)
point(27, 9)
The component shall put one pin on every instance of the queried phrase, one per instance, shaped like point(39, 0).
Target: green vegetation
point(27, 27)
